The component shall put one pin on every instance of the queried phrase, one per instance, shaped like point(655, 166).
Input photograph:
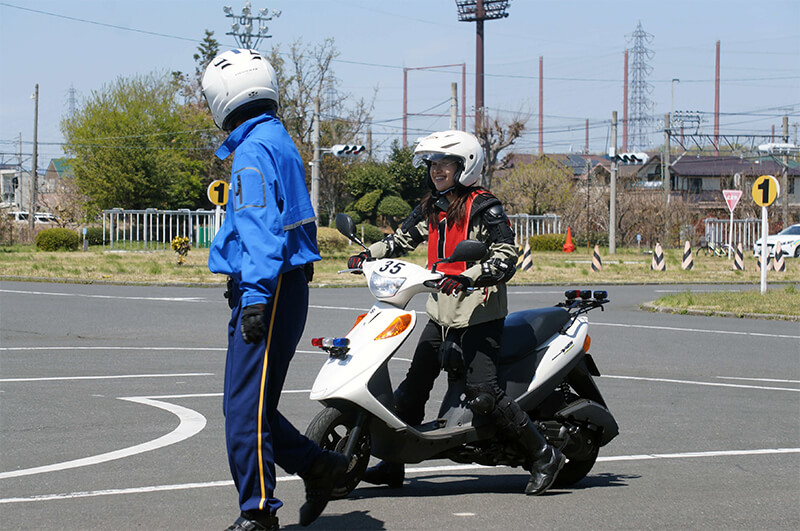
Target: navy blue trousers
point(258, 436)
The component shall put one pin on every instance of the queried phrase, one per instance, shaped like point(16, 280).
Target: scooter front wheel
point(331, 429)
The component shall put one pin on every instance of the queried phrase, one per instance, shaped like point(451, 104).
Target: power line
point(114, 26)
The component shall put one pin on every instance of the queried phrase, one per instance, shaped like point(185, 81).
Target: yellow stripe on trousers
point(261, 396)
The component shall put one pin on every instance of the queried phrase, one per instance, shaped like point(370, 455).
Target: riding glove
point(453, 284)
point(357, 260)
point(253, 328)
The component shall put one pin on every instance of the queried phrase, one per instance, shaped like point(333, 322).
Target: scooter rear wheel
point(331, 430)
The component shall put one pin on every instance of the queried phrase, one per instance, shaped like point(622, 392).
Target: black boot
point(324, 474)
point(248, 521)
point(386, 473)
point(547, 461)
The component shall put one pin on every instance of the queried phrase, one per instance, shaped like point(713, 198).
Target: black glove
point(357, 260)
point(453, 284)
point(253, 328)
point(229, 292)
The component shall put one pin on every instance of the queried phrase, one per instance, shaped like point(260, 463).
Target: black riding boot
point(547, 461)
point(386, 473)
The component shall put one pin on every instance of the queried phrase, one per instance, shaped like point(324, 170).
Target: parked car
point(790, 242)
point(39, 217)
point(18, 216)
point(44, 217)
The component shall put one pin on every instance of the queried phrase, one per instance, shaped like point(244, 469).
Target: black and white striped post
point(688, 262)
point(597, 263)
point(779, 264)
point(738, 260)
point(658, 263)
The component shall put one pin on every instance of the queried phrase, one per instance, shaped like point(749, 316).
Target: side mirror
point(465, 251)
point(346, 226)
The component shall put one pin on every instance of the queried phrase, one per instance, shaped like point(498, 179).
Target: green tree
point(131, 144)
point(411, 181)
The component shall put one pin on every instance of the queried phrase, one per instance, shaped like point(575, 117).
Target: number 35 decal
point(392, 267)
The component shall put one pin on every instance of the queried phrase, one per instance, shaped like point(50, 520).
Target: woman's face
point(443, 173)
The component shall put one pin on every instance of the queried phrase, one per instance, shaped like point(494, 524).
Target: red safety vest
point(439, 248)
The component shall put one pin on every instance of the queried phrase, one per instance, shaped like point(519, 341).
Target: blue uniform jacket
point(269, 225)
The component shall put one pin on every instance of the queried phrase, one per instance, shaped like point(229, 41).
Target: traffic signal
point(633, 158)
point(628, 157)
point(347, 150)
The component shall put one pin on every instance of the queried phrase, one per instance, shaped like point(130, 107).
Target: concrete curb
point(650, 307)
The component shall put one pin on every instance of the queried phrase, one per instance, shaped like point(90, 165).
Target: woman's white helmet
point(236, 78)
point(458, 144)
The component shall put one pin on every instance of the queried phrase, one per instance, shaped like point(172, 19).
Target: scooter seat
point(524, 331)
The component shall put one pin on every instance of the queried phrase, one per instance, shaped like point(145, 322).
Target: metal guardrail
point(153, 229)
point(526, 225)
point(746, 231)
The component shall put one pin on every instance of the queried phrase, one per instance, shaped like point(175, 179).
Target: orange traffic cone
point(569, 246)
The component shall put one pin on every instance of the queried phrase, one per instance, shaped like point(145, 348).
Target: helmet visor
point(428, 157)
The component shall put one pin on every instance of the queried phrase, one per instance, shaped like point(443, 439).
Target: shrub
point(330, 241)
point(371, 233)
point(547, 242)
point(95, 236)
point(57, 240)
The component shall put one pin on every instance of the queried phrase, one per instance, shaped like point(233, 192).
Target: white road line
point(199, 349)
point(758, 379)
point(111, 377)
point(88, 296)
point(416, 470)
point(698, 330)
point(191, 423)
point(710, 384)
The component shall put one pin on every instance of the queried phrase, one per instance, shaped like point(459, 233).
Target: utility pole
point(612, 206)
point(453, 105)
point(315, 164)
point(785, 177)
point(665, 173)
point(34, 177)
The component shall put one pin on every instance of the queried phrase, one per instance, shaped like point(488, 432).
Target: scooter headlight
point(382, 286)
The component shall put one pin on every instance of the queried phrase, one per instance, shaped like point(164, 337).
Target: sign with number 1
point(765, 190)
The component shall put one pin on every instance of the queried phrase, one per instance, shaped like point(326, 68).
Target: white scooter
point(544, 366)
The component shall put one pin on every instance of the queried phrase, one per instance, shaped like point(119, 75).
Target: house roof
point(62, 166)
point(710, 166)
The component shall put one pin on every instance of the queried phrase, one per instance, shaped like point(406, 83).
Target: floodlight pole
point(242, 25)
point(477, 11)
point(34, 162)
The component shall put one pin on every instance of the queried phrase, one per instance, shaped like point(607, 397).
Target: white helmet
point(236, 78)
point(459, 144)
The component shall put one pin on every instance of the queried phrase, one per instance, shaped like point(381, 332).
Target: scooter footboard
point(408, 445)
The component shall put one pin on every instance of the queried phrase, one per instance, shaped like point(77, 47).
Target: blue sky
point(85, 44)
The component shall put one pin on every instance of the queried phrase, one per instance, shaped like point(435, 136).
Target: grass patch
point(783, 301)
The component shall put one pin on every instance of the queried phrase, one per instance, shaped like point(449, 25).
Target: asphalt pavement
point(111, 418)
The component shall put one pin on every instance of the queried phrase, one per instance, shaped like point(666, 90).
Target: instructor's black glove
point(357, 260)
point(453, 284)
point(253, 328)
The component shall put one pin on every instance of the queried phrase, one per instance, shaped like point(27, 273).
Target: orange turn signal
point(397, 326)
point(587, 343)
point(358, 320)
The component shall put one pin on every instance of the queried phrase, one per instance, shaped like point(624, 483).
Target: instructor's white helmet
point(457, 144)
point(236, 78)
